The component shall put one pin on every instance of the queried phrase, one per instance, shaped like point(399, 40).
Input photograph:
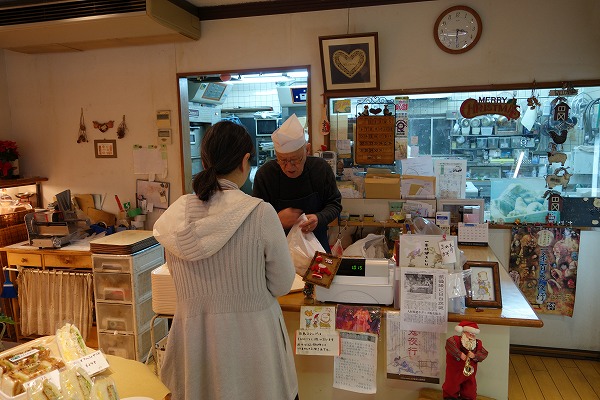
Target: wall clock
point(457, 29)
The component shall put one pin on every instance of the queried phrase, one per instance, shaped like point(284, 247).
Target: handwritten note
point(318, 342)
point(356, 367)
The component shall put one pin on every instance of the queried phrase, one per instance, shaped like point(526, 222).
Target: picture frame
point(105, 148)
point(483, 284)
point(350, 62)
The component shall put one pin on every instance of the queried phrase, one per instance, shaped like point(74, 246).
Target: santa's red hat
point(467, 326)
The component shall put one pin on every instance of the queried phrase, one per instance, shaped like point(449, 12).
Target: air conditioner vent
point(66, 26)
point(68, 10)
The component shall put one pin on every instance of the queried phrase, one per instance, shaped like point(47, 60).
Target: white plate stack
point(163, 291)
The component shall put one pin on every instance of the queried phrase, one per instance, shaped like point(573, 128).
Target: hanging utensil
point(82, 129)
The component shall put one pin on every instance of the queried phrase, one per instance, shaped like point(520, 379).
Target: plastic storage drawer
point(115, 317)
point(117, 344)
point(113, 287)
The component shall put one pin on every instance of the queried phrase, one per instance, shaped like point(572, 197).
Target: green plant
point(5, 319)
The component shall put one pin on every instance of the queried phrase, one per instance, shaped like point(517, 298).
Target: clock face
point(457, 29)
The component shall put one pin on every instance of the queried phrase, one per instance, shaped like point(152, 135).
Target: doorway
point(260, 100)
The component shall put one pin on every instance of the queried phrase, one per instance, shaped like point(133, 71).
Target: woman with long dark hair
point(229, 259)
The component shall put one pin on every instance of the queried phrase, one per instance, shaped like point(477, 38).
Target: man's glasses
point(292, 161)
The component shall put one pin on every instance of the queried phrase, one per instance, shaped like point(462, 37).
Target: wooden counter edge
point(293, 301)
point(516, 310)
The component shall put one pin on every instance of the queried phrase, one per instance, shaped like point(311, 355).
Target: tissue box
point(382, 186)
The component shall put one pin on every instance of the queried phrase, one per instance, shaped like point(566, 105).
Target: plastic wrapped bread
point(70, 343)
point(16, 369)
point(44, 390)
point(75, 384)
point(104, 389)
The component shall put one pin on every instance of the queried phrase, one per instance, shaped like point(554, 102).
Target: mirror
point(261, 100)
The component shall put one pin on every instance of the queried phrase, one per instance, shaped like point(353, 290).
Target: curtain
point(51, 298)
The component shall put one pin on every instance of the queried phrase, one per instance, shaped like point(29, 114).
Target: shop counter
point(315, 373)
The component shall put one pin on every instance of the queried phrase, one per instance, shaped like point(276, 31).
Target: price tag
point(92, 363)
point(447, 251)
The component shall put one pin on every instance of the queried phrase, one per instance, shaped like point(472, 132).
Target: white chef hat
point(290, 136)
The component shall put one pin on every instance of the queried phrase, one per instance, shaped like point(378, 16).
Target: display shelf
point(37, 181)
point(367, 224)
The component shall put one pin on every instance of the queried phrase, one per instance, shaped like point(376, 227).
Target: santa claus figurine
point(463, 353)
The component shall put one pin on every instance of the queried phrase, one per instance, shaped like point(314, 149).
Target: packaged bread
point(104, 389)
point(70, 343)
point(16, 369)
point(44, 390)
point(75, 384)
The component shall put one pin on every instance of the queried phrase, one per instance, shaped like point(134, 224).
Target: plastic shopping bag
point(337, 249)
point(373, 246)
point(302, 246)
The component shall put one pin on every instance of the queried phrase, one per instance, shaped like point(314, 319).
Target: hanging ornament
point(325, 126)
point(560, 124)
point(103, 126)
point(82, 129)
point(122, 129)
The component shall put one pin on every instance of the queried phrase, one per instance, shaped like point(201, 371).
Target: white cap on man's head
point(290, 136)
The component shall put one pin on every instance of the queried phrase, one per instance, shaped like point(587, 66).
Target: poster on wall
point(411, 355)
point(543, 264)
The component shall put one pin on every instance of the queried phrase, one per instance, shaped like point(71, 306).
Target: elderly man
point(297, 183)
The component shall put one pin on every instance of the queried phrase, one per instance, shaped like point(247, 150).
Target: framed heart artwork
point(350, 62)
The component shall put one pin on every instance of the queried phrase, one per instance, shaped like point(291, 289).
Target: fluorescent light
point(519, 164)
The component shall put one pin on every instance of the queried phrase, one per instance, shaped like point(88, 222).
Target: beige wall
point(545, 40)
point(5, 127)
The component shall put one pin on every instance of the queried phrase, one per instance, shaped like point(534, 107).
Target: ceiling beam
point(275, 7)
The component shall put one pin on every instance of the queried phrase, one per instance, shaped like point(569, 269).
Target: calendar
point(473, 234)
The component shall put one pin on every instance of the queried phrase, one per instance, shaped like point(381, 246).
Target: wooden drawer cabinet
point(67, 261)
point(24, 259)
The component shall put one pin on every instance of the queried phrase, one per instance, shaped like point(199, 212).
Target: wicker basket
point(13, 234)
point(13, 218)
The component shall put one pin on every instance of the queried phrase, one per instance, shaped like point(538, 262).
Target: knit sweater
point(271, 184)
point(229, 261)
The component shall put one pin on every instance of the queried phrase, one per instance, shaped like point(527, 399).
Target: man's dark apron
point(310, 204)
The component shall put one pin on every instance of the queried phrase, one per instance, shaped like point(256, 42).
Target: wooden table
point(74, 256)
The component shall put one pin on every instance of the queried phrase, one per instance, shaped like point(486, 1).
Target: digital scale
point(362, 281)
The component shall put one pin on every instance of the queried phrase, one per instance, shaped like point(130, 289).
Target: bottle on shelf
point(409, 226)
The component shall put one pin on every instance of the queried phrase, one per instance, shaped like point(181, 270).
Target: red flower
point(8, 150)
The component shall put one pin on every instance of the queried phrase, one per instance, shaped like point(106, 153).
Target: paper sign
point(317, 342)
point(92, 363)
point(447, 251)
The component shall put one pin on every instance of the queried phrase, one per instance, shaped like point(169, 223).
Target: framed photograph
point(350, 62)
point(105, 148)
point(483, 286)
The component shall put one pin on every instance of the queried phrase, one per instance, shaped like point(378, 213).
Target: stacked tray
point(123, 243)
point(163, 291)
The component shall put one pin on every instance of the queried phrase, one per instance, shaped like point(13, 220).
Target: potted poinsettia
point(9, 159)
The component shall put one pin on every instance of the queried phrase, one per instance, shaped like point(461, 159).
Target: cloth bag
point(302, 246)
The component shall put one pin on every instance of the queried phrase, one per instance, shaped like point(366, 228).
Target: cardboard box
point(382, 186)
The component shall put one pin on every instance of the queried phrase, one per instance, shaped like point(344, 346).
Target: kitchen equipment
point(465, 126)
point(47, 229)
point(475, 126)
